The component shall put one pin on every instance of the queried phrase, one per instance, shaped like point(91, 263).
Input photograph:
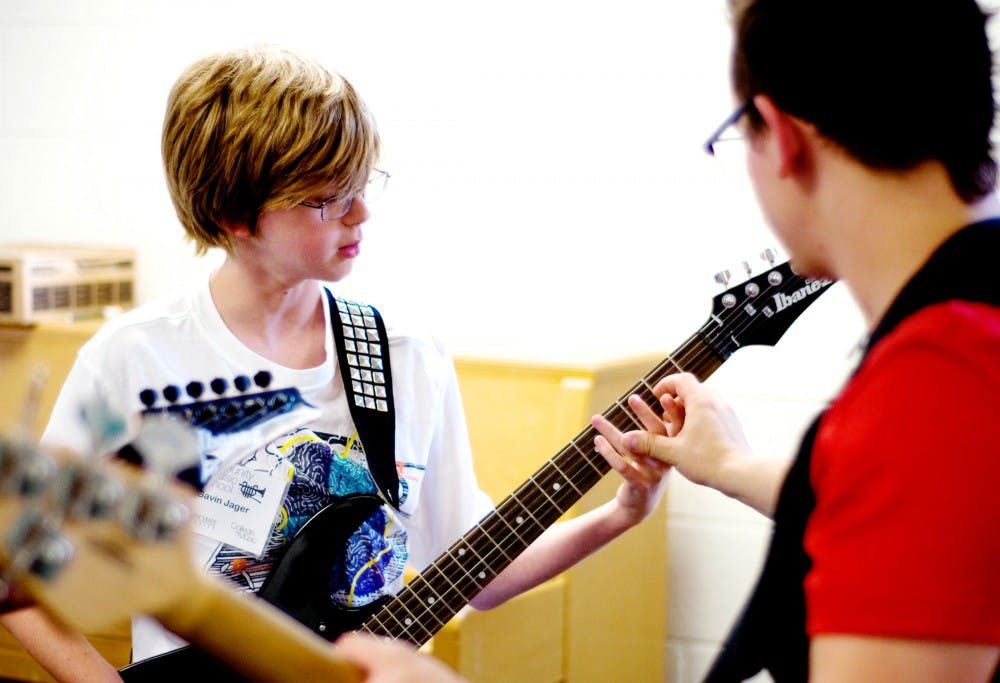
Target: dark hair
point(893, 82)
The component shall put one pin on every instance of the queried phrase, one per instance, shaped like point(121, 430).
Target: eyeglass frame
point(716, 135)
point(348, 201)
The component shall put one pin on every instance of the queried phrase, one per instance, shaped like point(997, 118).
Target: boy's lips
point(350, 250)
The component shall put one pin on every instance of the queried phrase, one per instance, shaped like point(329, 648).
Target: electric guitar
point(756, 312)
point(96, 542)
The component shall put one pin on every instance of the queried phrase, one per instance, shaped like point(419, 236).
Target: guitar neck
point(436, 595)
point(757, 311)
point(277, 648)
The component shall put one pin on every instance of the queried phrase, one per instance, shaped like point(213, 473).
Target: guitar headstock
point(760, 309)
point(96, 542)
point(92, 542)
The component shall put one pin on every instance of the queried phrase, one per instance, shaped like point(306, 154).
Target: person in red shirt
point(868, 144)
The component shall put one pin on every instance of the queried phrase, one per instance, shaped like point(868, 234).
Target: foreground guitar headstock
point(96, 542)
point(90, 543)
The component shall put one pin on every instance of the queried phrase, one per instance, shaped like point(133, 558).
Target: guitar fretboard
point(430, 600)
point(434, 597)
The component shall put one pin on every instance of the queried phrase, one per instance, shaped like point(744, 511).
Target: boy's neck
point(284, 324)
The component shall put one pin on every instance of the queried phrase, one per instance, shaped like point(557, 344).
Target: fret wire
point(670, 360)
point(627, 412)
point(512, 530)
point(501, 529)
point(529, 510)
point(389, 612)
point(456, 559)
point(568, 478)
point(415, 605)
point(399, 625)
point(460, 587)
point(480, 569)
point(444, 609)
point(553, 488)
point(412, 619)
point(548, 513)
point(374, 625)
point(489, 538)
point(435, 588)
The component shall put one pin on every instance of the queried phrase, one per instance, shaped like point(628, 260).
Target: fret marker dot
point(430, 601)
point(557, 486)
point(482, 575)
point(407, 621)
point(461, 551)
point(519, 519)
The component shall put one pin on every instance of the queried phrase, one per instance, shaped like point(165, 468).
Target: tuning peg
point(152, 515)
point(35, 546)
point(723, 277)
point(82, 492)
point(769, 255)
point(746, 267)
point(36, 384)
point(167, 444)
point(24, 469)
point(104, 424)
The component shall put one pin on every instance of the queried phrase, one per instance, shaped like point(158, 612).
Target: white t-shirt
point(175, 348)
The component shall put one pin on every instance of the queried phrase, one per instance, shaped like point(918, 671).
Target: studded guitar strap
point(363, 356)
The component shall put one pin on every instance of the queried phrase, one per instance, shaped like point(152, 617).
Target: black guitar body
point(298, 585)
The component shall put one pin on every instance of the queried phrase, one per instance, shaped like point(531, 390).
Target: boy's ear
point(235, 229)
point(788, 133)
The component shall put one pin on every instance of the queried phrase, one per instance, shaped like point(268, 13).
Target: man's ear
point(788, 135)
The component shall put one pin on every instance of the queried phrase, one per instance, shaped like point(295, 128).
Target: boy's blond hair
point(259, 129)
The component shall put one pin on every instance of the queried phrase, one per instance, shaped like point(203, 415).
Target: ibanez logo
point(783, 300)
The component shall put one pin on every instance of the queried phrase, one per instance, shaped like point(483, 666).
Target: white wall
point(549, 194)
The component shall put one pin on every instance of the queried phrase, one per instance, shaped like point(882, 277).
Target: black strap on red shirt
point(771, 632)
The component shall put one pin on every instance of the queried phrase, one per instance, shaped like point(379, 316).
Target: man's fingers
point(628, 445)
point(677, 385)
point(649, 445)
point(649, 419)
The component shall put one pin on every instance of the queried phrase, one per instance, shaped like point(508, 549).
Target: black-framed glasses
point(718, 135)
point(335, 208)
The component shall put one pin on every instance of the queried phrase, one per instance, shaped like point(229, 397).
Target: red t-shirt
point(905, 537)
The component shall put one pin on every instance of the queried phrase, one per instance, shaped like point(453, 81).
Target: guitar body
point(298, 585)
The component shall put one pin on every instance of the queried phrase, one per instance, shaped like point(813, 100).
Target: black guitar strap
point(363, 354)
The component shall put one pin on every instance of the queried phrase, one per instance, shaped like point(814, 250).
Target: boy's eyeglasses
point(335, 208)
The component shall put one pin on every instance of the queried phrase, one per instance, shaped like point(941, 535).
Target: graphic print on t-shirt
point(326, 467)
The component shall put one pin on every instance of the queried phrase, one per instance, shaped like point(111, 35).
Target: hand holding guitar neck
point(94, 543)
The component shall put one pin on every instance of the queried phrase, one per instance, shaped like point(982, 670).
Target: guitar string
point(669, 363)
point(602, 470)
point(423, 596)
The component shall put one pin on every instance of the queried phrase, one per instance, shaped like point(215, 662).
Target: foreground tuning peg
point(24, 470)
point(769, 255)
point(723, 277)
point(35, 546)
point(82, 492)
point(104, 424)
point(152, 515)
point(167, 444)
